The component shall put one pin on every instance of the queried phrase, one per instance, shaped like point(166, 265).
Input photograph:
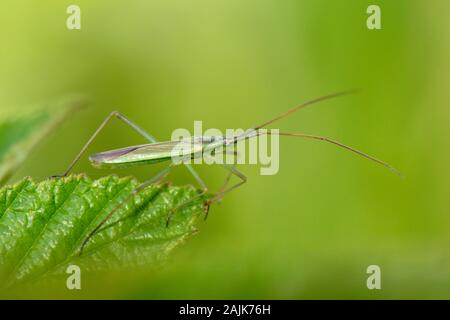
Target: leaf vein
point(44, 228)
point(22, 187)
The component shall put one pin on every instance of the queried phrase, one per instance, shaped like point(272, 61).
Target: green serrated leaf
point(21, 131)
point(42, 225)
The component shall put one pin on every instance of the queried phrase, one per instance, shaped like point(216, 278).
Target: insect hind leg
point(217, 196)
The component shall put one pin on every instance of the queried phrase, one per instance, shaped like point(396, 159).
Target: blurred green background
point(311, 230)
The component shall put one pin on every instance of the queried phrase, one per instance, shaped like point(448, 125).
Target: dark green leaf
point(42, 225)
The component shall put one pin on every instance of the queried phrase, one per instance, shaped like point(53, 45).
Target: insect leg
point(183, 204)
point(232, 169)
point(230, 173)
point(136, 128)
point(119, 116)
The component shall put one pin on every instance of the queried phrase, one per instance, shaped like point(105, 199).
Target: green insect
point(155, 152)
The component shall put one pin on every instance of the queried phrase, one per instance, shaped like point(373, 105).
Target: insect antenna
point(305, 104)
point(339, 144)
point(255, 130)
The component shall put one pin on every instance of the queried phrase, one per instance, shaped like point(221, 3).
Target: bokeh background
point(311, 230)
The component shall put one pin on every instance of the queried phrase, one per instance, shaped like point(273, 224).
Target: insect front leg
point(217, 196)
point(230, 173)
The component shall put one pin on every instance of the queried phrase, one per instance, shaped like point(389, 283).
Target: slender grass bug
point(155, 152)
